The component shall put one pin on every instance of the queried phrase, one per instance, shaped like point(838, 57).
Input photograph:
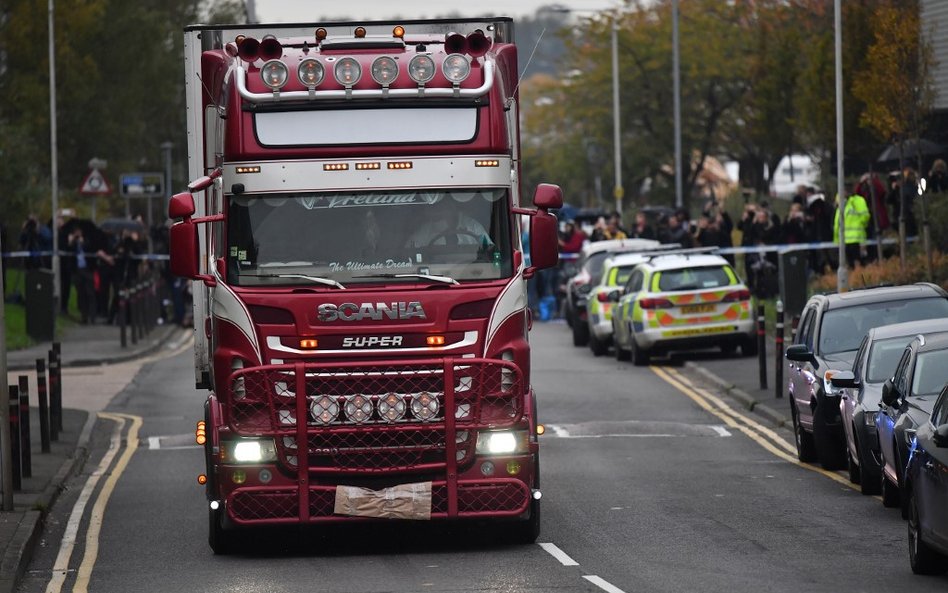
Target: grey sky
point(301, 11)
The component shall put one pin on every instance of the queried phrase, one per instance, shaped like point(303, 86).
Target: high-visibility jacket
point(856, 220)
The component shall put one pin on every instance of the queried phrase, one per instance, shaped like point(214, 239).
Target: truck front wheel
point(220, 540)
point(528, 530)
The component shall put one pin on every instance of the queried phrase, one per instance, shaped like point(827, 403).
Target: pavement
point(82, 348)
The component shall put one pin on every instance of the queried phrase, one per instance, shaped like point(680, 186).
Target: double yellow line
point(760, 434)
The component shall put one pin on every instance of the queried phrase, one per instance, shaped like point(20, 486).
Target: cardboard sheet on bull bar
point(404, 501)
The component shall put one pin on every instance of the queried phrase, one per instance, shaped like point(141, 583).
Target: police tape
point(31, 254)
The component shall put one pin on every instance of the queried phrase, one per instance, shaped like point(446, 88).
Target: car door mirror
point(614, 296)
point(800, 353)
point(890, 394)
point(941, 435)
point(844, 380)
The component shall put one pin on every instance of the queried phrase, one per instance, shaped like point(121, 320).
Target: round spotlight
point(425, 406)
point(421, 69)
point(265, 476)
point(311, 72)
point(325, 410)
point(456, 68)
point(348, 71)
point(384, 70)
point(487, 468)
point(358, 409)
point(392, 407)
point(274, 74)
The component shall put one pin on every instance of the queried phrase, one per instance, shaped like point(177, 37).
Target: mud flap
point(404, 501)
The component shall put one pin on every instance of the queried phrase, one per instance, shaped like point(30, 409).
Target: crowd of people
point(95, 261)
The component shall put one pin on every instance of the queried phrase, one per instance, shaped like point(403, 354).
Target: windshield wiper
point(429, 277)
point(316, 279)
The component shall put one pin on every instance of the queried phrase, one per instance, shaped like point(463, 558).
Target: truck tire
point(220, 540)
point(924, 559)
point(580, 333)
point(528, 530)
point(806, 449)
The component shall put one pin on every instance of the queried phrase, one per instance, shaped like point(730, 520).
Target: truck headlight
point(250, 451)
point(501, 442)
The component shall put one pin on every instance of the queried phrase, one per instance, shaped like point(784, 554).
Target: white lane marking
point(61, 565)
point(559, 431)
point(154, 442)
point(559, 554)
point(721, 431)
point(602, 583)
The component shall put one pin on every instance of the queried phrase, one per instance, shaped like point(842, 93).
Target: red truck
point(353, 235)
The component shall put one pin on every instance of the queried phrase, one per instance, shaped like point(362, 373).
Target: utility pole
point(619, 192)
point(676, 76)
point(842, 272)
point(6, 454)
point(54, 169)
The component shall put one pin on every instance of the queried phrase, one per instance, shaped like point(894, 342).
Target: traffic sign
point(142, 185)
point(95, 184)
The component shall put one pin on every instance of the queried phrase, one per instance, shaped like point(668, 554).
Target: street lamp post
point(54, 170)
point(842, 271)
point(676, 83)
point(616, 129)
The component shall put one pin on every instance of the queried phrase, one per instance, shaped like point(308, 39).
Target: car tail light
point(653, 303)
point(737, 295)
point(603, 297)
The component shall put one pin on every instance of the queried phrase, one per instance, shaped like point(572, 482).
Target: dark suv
point(830, 331)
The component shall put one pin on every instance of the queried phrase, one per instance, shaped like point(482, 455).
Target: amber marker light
point(435, 340)
point(359, 32)
point(309, 343)
point(487, 163)
point(253, 169)
point(540, 429)
point(202, 479)
point(400, 165)
point(321, 34)
point(336, 167)
point(200, 433)
point(398, 31)
point(367, 166)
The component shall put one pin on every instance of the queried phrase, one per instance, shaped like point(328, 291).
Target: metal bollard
point(123, 316)
point(55, 392)
point(778, 357)
point(762, 345)
point(15, 436)
point(42, 396)
point(26, 455)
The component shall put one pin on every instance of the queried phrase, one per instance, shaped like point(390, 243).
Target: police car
point(615, 272)
point(681, 301)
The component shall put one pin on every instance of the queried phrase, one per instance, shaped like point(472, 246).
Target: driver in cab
point(444, 223)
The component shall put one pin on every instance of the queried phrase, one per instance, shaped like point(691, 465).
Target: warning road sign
point(95, 184)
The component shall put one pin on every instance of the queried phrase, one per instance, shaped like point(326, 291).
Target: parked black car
point(861, 392)
point(907, 401)
point(926, 481)
point(830, 330)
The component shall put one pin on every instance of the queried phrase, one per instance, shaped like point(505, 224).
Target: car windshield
point(884, 356)
point(929, 376)
point(348, 237)
point(841, 330)
point(693, 279)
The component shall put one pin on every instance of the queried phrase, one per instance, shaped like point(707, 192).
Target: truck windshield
point(359, 237)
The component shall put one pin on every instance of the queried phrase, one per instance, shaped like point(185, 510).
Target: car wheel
point(889, 492)
point(568, 314)
point(749, 347)
point(868, 483)
point(622, 354)
point(829, 449)
point(728, 348)
point(924, 560)
point(598, 347)
point(806, 449)
point(853, 468)
point(580, 333)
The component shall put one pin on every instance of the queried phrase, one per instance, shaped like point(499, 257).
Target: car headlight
point(502, 442)
point(828, 385)
point(250, 451)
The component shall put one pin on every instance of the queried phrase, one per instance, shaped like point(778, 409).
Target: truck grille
point(380, 418)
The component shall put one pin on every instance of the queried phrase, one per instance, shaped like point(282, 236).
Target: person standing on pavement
point(641, 230)
point(83, 276)
point(856, 221)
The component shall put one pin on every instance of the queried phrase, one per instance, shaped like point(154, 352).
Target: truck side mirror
point(890, 394)
point(544, 243)
point(548, 196)
point(184, 249)
point(181, 206)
